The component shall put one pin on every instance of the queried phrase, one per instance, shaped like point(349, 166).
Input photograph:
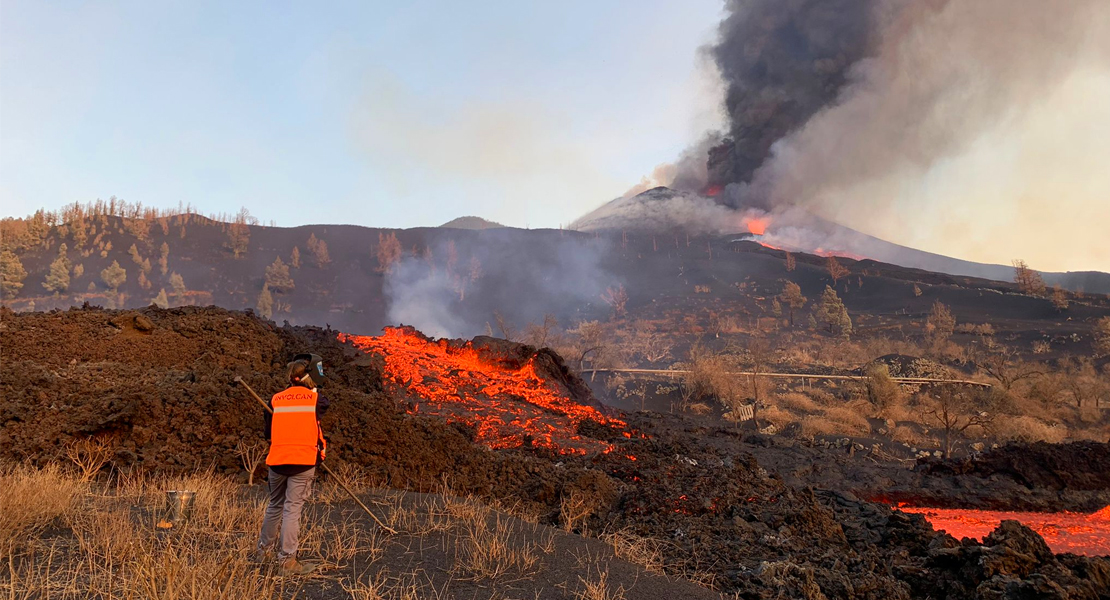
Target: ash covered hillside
point(662, 209)
point(463, 282)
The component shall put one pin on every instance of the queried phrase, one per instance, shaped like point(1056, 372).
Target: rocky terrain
point(740, 513)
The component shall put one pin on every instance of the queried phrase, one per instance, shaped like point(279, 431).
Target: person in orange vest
point(297, 445)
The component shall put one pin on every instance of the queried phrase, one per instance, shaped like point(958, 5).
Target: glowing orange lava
point(838, 253)
point(508, 407)
point(1078, 533)
point(713, 190)
point(756, 225)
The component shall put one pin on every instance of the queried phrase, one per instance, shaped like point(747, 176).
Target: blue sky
point(378, 113)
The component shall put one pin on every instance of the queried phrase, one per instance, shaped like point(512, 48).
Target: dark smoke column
point(782, 61)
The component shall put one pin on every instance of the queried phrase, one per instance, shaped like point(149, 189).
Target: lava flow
point(1078, 533)
point(509, 405)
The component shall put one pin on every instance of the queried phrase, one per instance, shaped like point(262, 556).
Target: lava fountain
point(1077, 533)
point(506, 399)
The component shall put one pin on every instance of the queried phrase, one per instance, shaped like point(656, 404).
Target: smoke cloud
point(977, 127)
point(971, 128)
point(454, 289)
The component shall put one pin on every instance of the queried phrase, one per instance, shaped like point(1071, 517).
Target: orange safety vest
point(296, 434)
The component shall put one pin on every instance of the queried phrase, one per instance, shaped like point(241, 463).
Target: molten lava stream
point(1078, 533)
point(506, 406)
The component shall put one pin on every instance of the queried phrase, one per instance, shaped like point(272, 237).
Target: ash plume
point(964, 127)
point(782, 62)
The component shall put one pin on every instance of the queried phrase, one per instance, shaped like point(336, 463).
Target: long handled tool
point(338, 479)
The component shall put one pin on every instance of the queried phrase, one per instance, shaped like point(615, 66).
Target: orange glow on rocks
point(509, 407)
point(1078, 533)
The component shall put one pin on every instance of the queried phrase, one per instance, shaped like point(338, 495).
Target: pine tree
point(389, 252)
point(114, 276)
point(792, 297)
point(295, 258)
point(161, 301)
point(319, 250)
point(277, 276)
point(163, 258)
point(12, 274)
point(265, 305)
point(57, 280)
point(834, 314)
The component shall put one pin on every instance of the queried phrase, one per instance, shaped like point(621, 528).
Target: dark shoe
point(292, 566)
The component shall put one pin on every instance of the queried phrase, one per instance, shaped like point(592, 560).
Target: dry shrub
point(798, 403)
point(576, 507)
point(636, 549)
point(699, 408)
point(31, 499)
point(1028, 429)
point(776, 416)
point(814, 425)
point(792, 580)
point(90, 455)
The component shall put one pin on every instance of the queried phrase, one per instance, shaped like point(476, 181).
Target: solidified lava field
point(734, 510)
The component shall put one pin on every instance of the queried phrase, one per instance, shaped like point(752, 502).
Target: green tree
point(161, 301)
point(265, 305)
point(12, 274)
point(57, 279)
point(114, 276)
point(277, 276)
point(834, 314)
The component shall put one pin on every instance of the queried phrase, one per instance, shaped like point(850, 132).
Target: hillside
point(451, 281)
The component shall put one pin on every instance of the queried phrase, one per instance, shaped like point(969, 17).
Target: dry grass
point(30, 500)
point(910, 437)
point(491, 551)
point(797, 403)
point(638, 550)
point(776, 416)
point(598, 588)
point(1028, 429)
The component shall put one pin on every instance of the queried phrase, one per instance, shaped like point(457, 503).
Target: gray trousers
point(287, 497)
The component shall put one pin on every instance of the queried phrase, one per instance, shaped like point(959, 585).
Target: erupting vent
point(1077, 533)
point(509, 406)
